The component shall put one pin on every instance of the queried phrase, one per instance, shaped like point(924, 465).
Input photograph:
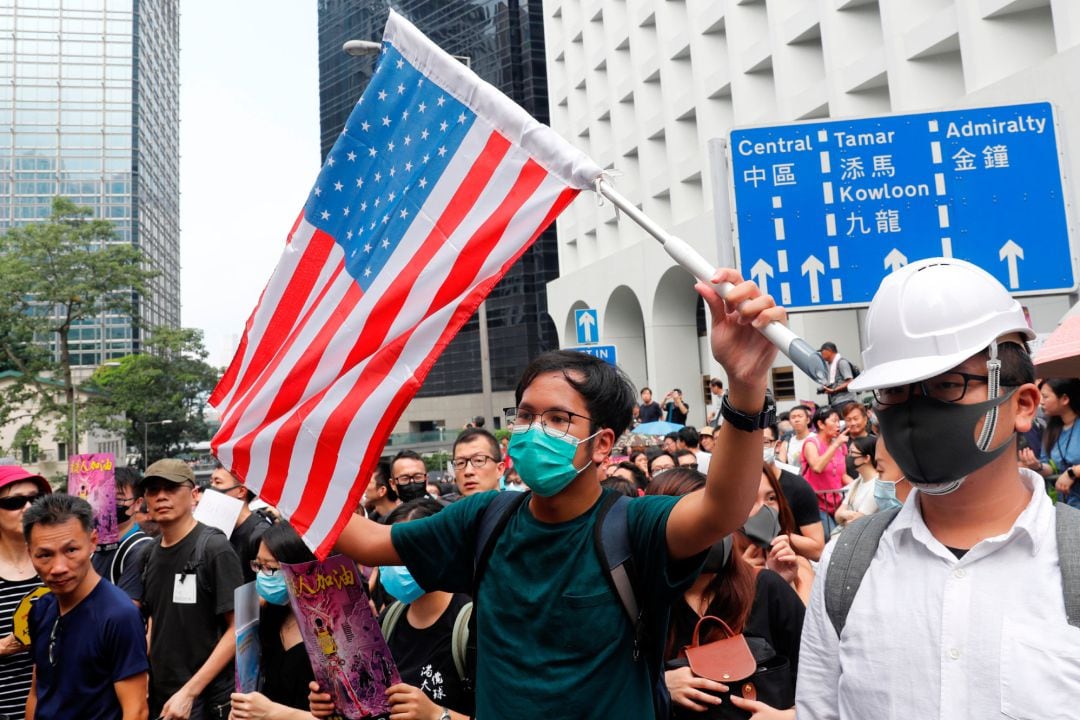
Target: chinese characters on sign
point(824, 210)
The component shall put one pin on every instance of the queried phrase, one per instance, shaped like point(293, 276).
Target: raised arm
point(368, 543)
point(702, 518)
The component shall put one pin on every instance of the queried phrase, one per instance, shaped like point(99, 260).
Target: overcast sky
point(249, 146)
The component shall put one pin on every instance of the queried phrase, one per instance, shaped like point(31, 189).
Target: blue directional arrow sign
point(588, 330)
point(825, 210)
point(604, 352)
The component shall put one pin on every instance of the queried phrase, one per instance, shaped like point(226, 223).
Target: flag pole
point(794, 347)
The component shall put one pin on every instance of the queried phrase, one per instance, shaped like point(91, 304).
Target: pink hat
point(10, 474)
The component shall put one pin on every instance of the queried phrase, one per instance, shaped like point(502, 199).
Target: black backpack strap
point(611, 538)
point(855, 549)
point(492, 522)
point(198, 564)
point(1068, 543)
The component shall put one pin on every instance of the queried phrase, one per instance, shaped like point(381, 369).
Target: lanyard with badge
point(184, 592)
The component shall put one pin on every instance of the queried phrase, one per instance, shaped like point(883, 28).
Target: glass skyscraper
point(89, 109)
point(504, 42)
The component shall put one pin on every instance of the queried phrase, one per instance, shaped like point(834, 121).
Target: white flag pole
point(794, 347)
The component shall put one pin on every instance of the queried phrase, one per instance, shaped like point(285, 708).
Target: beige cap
point(171, 469)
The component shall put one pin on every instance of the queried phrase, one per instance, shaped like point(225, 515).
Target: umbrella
point(658, 427)
point(1059, 356)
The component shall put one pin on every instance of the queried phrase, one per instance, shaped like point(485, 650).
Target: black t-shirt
point(649, 412)
point(287, 672)
point(184, 632)
point(122, 565)
point(425, 658)
point(245, 541)
point(673, 414)
point(776, 616)
point(801, 497)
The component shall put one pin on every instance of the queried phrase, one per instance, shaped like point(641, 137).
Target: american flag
point(436, 186)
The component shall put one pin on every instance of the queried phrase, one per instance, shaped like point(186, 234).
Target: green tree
point(53, 276)
point(162, 393)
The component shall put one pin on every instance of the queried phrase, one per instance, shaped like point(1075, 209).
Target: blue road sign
point(604, 352)
point(588, 330)
point(824, 210)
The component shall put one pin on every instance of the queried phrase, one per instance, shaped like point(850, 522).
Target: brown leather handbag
point(727, 660)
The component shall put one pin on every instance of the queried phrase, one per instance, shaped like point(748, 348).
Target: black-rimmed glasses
point(947, 387)
point(415, 478)
point(263, 568)
point(555, 422)
point(477, 461)
point(52, 641)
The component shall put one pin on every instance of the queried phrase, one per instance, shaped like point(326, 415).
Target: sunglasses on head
point(17, 502)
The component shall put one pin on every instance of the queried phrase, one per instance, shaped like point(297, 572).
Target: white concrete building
point(644, 85)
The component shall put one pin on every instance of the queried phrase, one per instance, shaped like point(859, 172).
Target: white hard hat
point(930, 316)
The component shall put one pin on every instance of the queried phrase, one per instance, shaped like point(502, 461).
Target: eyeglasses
point(692, 466)
point(52, 641)
point(17, 502)
point(657, 470)
point(263, 568)
point(555, 423)
point(947, 387)
point(478, 461)
point(411, 479)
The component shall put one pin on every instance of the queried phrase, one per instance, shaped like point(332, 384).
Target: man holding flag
point(436, 186)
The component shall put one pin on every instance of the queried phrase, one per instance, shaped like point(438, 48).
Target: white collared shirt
point(929, 636)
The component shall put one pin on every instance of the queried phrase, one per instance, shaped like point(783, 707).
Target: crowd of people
point(899, 557)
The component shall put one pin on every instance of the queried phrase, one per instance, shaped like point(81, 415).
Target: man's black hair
point(717, 382)
point(672, 436)
point(620, 485)
point(828, 346)
point(805, 408)
point(127, 477)
point(381, 478)
point(684, 453)
point(57, 509)
point(285, 544)
point(1016, 366)
point(407, 455)
point(470, 434)
point(478, 421)
point(609, 395)
point(646, 388)
point(640, 478)
point(689, 437)
point(652, 458)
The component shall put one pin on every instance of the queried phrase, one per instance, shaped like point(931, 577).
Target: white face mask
point(769, 456)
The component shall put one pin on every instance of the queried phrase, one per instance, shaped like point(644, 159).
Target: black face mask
point(411, 491)
point(933, 442)
point(762, 527)
point(718, 556)
point(122, 513)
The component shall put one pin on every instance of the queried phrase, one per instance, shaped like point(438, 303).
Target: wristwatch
point(445, 714)
point(749, 423)
point(1071, 473)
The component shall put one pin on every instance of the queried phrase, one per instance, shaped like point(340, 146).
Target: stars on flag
point(381, 211)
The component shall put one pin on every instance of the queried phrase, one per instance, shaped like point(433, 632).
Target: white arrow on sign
point(586, 322)
point(760, 272)
point(895, 260)
point(814, 267)
point(1012, 251)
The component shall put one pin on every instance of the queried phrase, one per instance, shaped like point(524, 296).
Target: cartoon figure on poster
point(93, 478)
point(342, 637)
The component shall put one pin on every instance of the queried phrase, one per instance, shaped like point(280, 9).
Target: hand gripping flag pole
point(794, 347)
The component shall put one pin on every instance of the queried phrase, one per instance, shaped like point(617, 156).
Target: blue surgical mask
point(885, 495)
point(271, 588)
point(399, 582)
point(545, 463)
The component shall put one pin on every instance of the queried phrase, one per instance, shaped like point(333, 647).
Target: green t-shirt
point(553, 640)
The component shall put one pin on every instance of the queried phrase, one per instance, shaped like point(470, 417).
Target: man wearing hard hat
point(965, 602)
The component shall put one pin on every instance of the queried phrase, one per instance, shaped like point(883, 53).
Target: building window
point(783, 383)
point(61, 452)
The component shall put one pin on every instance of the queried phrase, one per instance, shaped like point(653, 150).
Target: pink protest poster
point(93, 478)
point(342, 637)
